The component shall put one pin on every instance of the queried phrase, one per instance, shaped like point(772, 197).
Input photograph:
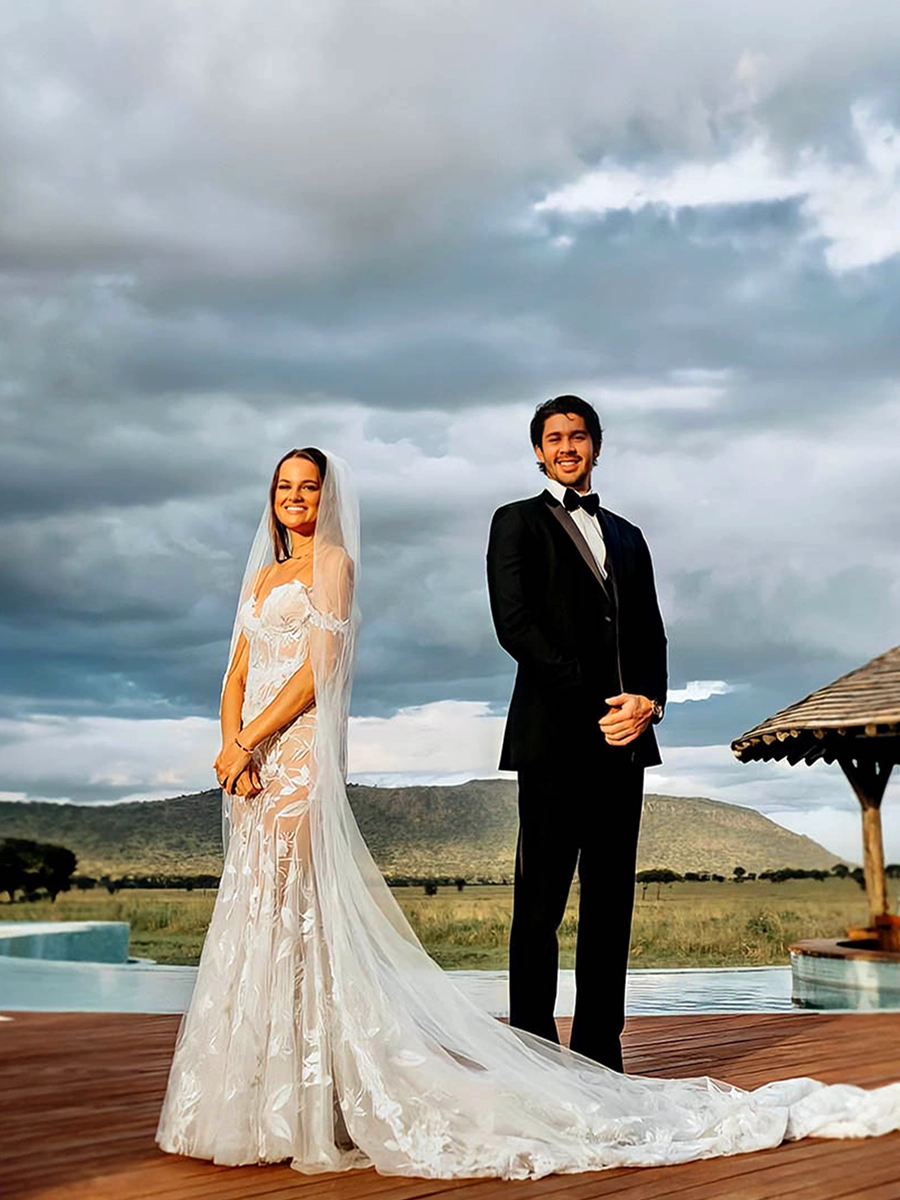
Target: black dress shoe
point(607, 1056)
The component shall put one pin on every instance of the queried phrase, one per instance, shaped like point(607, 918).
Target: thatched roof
point(858, 713)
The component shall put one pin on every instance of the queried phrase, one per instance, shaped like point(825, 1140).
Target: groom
point(574, 603)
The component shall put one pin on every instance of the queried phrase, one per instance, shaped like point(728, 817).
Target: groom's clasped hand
point(627, 718)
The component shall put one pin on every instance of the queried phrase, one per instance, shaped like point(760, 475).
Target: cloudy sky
point(228, 228)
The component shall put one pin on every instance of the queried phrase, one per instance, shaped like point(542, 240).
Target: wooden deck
point(81, 1093)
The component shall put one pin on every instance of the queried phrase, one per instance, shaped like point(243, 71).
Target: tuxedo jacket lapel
point(561, 514)
point(613, 544)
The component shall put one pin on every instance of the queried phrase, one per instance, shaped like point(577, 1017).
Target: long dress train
point(320, 1032)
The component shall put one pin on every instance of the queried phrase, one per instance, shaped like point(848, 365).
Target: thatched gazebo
point(855, 722)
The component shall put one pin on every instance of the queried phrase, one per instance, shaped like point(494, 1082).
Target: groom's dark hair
point(566, 404)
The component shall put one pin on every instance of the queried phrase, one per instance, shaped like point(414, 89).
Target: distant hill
point(468, 829)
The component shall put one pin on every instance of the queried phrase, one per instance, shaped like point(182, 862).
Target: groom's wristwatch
point(657, 715)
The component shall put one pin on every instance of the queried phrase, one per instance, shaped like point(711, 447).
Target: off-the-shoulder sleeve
point(328, 621)
point(332, 593)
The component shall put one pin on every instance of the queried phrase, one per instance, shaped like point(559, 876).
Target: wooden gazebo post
point(855, 722)
point(868, 778)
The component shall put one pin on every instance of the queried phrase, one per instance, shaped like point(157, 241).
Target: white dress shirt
point(587, 525)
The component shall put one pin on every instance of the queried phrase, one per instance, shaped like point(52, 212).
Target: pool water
point(658, 993)
point(55, 986)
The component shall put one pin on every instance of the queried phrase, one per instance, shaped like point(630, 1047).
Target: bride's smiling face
point(297, 493)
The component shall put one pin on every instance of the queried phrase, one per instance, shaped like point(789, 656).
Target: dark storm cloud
point(637, 294)
point(281, 138)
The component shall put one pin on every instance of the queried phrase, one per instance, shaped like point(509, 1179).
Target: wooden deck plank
point(81, 1094)
point(742, 1176)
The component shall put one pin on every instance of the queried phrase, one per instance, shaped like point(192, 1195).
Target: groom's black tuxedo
point(577, 638)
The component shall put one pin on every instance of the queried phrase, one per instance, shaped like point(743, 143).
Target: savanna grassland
point(690, 925)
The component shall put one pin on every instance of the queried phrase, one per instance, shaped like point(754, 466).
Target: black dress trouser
point(585, 813)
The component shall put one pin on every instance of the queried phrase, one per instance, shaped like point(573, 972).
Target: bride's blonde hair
point(281, 538)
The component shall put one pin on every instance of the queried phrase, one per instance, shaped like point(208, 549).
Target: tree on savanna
point(59, 865)
point(34, 867)
point(740, 874)
point(15, 863)
point(657, 875)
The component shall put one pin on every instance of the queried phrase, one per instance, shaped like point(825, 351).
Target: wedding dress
point(320, 1032)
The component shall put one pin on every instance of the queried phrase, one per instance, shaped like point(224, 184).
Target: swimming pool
point(51, 986)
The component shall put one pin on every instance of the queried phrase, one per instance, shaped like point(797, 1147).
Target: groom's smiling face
point(567, 451)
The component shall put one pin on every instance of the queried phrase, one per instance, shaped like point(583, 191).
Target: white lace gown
point(321, 1033)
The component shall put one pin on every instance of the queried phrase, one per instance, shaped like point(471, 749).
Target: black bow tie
point(590, 503)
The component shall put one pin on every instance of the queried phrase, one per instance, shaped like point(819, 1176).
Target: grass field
point(690, 925)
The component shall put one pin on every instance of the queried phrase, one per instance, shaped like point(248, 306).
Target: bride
point(319, 1030)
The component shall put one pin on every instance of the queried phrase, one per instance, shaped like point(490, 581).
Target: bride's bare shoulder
point(334, 559)
point(261, 576)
